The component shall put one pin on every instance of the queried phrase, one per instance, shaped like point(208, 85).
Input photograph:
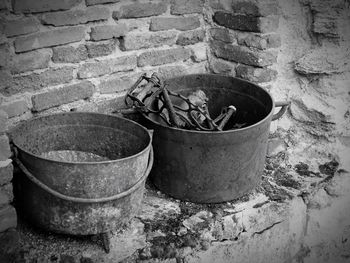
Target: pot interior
point(252, 102)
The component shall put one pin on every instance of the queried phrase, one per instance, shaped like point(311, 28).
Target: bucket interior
point(81, 137)
point(253, 103)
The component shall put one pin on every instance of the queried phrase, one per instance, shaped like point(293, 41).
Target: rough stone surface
point(36, 81)
point(3, 121)
point(3, 4)
point(256, 74)
point(15, 108)
point(5, 151)
point(5, 55)
point(181, 7)
point(159, 57)
point(62, 95)
point(167, 72)
point(220, 66)
point(117, 83)
point(7, 191)
point(323, 61)
point(146, 40)
point(222, 34)
point(199, 52)
point(8, 218)
point(78, 16)
point(97, 2)
point(69, 54)
point(33, 6)
point(190, 37)
point(49, 38)
point(265, 41)
point(100, 49)
point(256, 8)
point(21, 26)
point(108, 31)
point(6, 171)
point(137, 10)
point(37, 59)
point(326, 24)
point(179, 23)
point(103, 67)
point(243, 55)
point(246, 22)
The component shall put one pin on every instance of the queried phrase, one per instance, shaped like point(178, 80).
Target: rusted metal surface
point(88, 197)
point(213, 166)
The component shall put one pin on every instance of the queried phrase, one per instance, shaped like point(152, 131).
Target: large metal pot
point(81, 197)
point(212, 167)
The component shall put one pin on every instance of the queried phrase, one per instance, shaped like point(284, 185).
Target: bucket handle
point(85, 200)
point(284, 106)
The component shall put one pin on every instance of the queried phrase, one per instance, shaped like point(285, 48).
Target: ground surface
point(286, 219)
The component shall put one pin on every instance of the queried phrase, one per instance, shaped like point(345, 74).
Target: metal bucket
point(84, 196)
point(213, 167)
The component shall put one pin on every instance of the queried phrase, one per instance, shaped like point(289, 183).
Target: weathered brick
point(220, 66)
point(33, 6)
point(5, 151)
point(4, 199)
point(108, 31)
point(62, 95)
point(165, 56)
point(256, 7)
point(69, 54)
point(179, 23)
point(137, 10)
point(97, 2)
point(37, 59)
point(7, 192)
point(3, 121)
point(167, 72)
point(199, 52)
point(256, 74)
point(222, 34)
point(6, 171)
point(246, 22)
point(117, 83)
point(190, 37)
point(180, 7)
point(75, 17)
point(108, 66)
point(259, 41)
point(147, 40)
point(103, 48)
point(50, 38)
point(5, 55)
point(15, 108)
point(21, 26)
point(8, 218)
point(6, 80)
point(3, 38)
point(36, 81)
point(326, 24)
point(243, 55)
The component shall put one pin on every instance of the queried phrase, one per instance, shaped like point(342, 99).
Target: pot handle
point(284, 106)
point(85, 200)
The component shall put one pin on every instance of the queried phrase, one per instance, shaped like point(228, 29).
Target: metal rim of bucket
point(57, 194)
point(283, 104)
point(85, 163)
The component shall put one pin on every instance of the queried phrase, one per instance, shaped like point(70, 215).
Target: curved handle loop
point(86, 200)
point(285, 105)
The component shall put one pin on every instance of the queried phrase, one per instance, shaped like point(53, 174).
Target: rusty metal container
point(88, 195)
point(213, 167)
